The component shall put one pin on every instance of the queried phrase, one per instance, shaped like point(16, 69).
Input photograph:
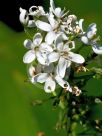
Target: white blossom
point(64, 56)
point(51, 28)
point(37, 50)
point(24, 18)
point(89, 38)
point(53, 48)
point(47, 75)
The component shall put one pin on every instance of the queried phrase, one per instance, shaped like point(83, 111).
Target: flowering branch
point(54, 59)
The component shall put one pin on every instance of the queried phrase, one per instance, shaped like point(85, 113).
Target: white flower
point(89, 38)
point(37, 50)
point(50, 53)
point(89, 35)
point(47, 75)
point(24, 18)
point(51, 28)
point(36, 71)
point(64, 56)
point(80, 25)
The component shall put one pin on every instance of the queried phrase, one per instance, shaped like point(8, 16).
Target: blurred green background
point(17, 115)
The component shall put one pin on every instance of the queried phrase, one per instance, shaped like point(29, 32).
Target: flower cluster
point(51, 51)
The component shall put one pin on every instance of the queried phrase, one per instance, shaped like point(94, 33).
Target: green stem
point(72, 131)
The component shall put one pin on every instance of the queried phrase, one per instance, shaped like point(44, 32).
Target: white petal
point(53, 57)
point(92, 27)
point(63, 83)
point(72, 17)
point(42, 58)
point(97, 49)
point(52, 5)
point(23, 16)
point(37, 39)
point(61, 67)
point(59, 42)
point(58, 12)
point(85, 40)
point(91, 30)
point(68, 63)
point(50, 37)
point(31, 23)
point(43, 26)
point(91, 34)
point(64, 37)
point(32, 80)
point(31, 71)
point(66, 47)
point(59, 46)
point(49, 85)
point(41, 10)
point(52, 21)
point(42, 77)
point(28, 44)
point(29, 57)
point(81, 24)
point(77, 58)
point(45, 48)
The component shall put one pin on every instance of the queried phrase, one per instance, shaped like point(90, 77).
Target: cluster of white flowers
point(50, 52)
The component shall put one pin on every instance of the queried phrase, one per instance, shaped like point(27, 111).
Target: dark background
point(9, 11)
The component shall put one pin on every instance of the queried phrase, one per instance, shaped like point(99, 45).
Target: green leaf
point(97, 112)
